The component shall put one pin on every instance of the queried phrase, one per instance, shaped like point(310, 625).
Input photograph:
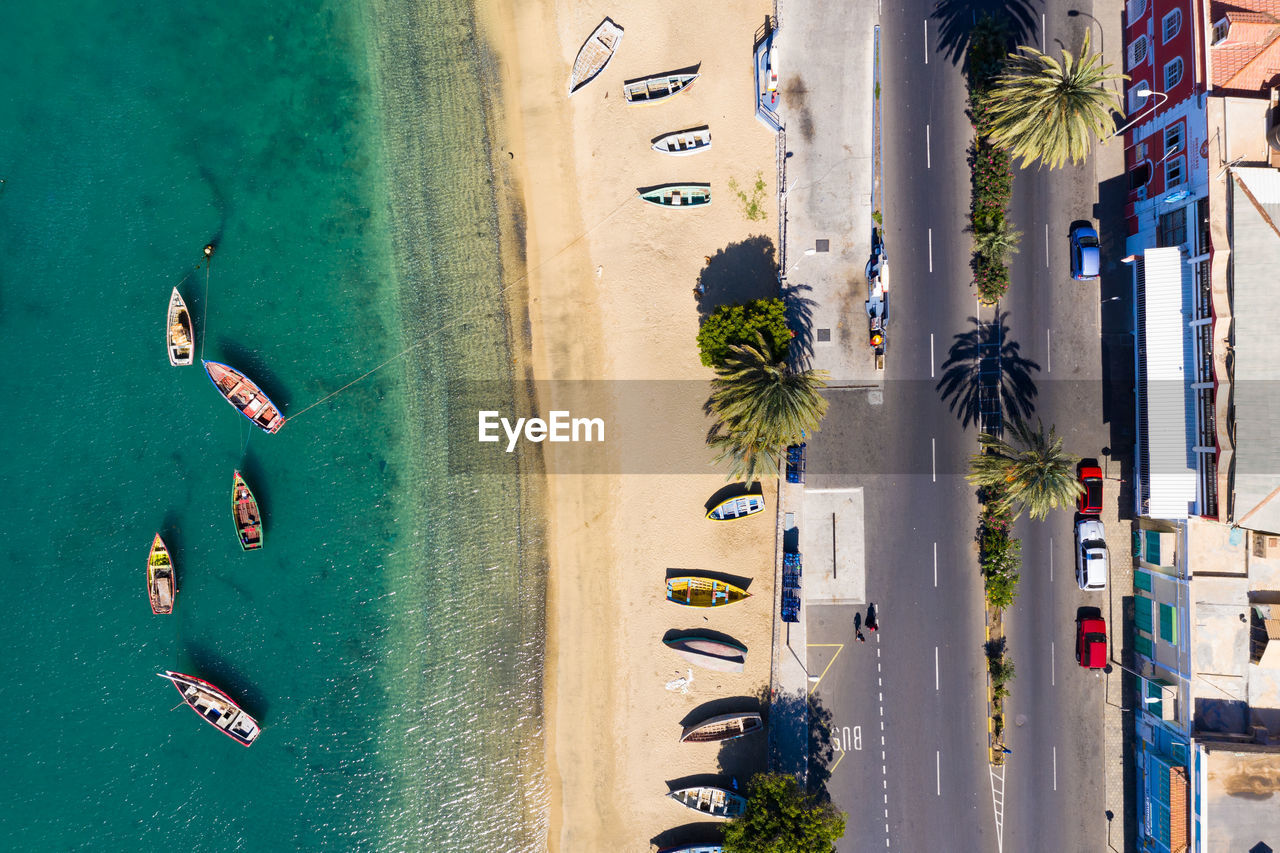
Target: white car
point(1091, 555)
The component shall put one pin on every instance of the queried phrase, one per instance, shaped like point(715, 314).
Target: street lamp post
point(1141, 93)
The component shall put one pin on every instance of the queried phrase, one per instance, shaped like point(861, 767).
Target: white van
point(1091, 555)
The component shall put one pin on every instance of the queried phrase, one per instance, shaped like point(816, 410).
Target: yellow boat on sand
point(694, 591)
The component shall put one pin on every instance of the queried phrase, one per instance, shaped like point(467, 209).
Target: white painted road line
point(933, 443)
point(1053, 673)
point(1048, 343)
point(1046, 245)
point(1055, 768)
point(931, 355)
point(1050, 559)
point(930, 250)
point(926, 41)
point(928, 157)
point(1043, 35)
point(938, 764)
point(935, 668)
point(935, 565)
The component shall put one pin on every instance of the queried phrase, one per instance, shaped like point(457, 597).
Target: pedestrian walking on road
point(872, 624)
point(858, 634)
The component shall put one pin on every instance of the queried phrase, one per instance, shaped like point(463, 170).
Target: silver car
point(1091, 555)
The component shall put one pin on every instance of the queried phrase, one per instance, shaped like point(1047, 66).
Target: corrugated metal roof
point(1255, 256)
point(1171, 474)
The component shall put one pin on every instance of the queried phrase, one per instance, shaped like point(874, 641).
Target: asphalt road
point(908, 706)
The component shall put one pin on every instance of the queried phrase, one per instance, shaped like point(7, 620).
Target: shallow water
point(389, 635)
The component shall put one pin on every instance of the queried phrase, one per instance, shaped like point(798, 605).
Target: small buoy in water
point(208, 251)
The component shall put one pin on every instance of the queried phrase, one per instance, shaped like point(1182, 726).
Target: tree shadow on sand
point(737, 274)
point(984, 358)
point(955, 20)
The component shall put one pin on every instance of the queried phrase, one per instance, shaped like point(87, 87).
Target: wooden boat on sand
point(595, 54)
point(715, 802)
point(244, 512)
point(684, 142)
point(694, 848)
point(678, 195)
point(721, 728)
point(162, 586)
point(646, 90)
point(736, 507)
point(694, 591)
point(215, 707)
point(246, 397)
point(180, 336)
point(708, 653)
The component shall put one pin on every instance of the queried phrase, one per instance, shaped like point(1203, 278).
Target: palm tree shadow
point(955, 20)
point(984, 360)
point(800, 321)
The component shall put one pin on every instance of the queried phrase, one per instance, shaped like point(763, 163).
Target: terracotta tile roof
point(1179, 836)
point(1248, 58)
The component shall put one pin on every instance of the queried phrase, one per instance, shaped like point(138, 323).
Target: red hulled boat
point(215, 707)
point(246, 397)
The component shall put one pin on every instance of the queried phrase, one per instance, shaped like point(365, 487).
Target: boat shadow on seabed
point(215, 669)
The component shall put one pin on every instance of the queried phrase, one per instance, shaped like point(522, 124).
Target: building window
point(1175, 172)
point(1220, 30)
point(1172, 73)
point(1170, 25)
point(1169, 624)
point(1171, 230)
point(1137, 51)
point(1135, 9)
point(1142, 646)
point(1202, 247)
point(1139, 175)
point(1142, 613)
point(1209, 484)
point(1136, 101)
point(1173, 138)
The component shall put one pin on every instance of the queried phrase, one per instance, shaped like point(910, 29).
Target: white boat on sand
point(684, 142)
point(595, 54)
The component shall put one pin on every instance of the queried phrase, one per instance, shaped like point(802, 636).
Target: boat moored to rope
point(246, 397)
point(244, 512)
point(162, 586)
point(180, 336)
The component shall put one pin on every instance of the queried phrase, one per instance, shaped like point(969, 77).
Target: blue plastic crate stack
point(795, 463)
point(791, 571)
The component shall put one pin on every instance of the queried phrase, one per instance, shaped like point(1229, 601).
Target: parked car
point(1090, 475)
point(1091, 643)
point(1085, 260)
point(1091, 555)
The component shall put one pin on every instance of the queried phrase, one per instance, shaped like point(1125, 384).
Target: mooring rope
point(204, 317)
point(467, 313)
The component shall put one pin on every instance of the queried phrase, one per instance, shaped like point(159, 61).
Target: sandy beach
point(610, 298)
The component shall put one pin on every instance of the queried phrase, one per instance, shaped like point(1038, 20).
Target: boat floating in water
point(646, 90)
point(180, 336)
point(723, 727)
point(684, 142)
point(678, 195)
point(244, 511)
point(246, 397)
point(162, 586)
point(737, 507)
point(695, 591)
point(595, 54)
point(215, 707)
point(708, 653)
point(714, 802)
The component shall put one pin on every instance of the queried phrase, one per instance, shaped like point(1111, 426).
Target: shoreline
point(609, 284)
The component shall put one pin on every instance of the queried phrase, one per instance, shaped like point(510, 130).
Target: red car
point(1090, 475)
point(1091, 643)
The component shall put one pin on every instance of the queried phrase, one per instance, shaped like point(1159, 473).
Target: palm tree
point(1035, 474)
point(1048, 110)
point(762, 405)
point(997, 244)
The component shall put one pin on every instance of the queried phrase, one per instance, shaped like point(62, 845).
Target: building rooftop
point(1246, 58)
point(1255, 242)
point(1241, 788)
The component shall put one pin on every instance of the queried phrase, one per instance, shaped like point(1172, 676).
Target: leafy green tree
point(1049, 110)
point(782, 817)
point(730, 325)
point(762, 405)
point(1032, 471)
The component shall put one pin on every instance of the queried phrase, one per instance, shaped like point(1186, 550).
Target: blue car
point(1084, 253)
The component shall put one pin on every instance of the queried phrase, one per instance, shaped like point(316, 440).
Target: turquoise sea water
point(389, 636)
